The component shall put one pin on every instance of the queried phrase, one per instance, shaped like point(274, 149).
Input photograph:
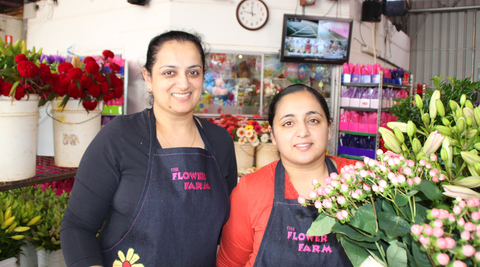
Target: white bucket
point(244, 154)
point(28, 257)
point(266, 153)
point(73, 130)
point(18, 142)
point(10, 262)
point(50, 259)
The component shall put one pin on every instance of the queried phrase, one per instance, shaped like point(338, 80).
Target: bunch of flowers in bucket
point(88, 81)
point(371, 207)
point(244, 130)
point(22, 74)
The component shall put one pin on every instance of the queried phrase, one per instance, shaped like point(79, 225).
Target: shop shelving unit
point(380, 85)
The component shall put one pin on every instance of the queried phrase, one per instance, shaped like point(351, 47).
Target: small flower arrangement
point(243, 130)
point(451, 238)
point(371, 207)
point(88, 81)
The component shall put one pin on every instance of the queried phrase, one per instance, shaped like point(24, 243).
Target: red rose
point(61, 87)
point(20, 57)
point(20, 92)
point(73, 91)
point(109, 96)
point(85, 81)
point(89, 105)
point(99, 77)
point(108, 54)
point(88, 59)
point(92, 67)
point(44, 70)
point(104, 87)
point(64, 67)
point(118, 92)
point(115, 81)
point(74, 73)
point(114, 67)
point(5, 88)
point(94, 90)
point(27, 69)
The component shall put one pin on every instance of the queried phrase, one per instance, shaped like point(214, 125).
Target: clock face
point(252, 14)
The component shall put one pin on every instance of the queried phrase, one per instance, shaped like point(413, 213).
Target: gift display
point(371, 74)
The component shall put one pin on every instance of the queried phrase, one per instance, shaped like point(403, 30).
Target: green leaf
point(396, 256)
point(365, 219)
point(412, 193)
point(421, 257)
point(387, 207)
point(352, 233)
point(322, 225)
point(393, 225)
point(429, 189)
point(357, 255)
point(401, 200)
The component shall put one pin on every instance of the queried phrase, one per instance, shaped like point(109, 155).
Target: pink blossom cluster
point(356, 184)
point(438, 236)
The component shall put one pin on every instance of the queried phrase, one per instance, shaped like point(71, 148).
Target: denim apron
point(285, 242)
point(180, 214)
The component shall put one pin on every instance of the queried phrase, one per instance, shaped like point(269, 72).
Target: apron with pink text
point(180, 214)
point(285, 242)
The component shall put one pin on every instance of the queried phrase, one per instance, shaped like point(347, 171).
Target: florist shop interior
point(398, 76)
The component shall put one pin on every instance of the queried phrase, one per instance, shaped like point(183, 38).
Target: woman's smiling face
point(176, 80)
point(300, 129)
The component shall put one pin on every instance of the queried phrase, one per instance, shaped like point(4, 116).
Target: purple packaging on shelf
point(356, 78)
point(346, 78)
point(397, 81)
point(366, 78)
point(342, 149)
point(351, 151)
point(360, 152)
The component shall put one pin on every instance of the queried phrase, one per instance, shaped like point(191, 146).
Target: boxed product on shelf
point(357, 145)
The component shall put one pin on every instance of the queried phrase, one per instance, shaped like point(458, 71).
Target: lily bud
point(477, 146)
point(461, 125)
point(455, 191)
point(433, 106)
point(391, 142)
point(411, 128)
point(448, 159)
point(399, 135)
point(440, 108)
point(426, 118)
point(444, 154)
point(476, 115)
point(419, 101)
point(454, 129)
point(420, 155)
point(463, 98)
point(444, 130)
point(470, 158)
point(469, 104)
point(446, 121)
point(468, 112)
point(469, 121)
point(453, 105)
point(416, 145)
point(471, 133)
point(458, 113)
point(402, 126)
point(469, 182)
point(477, 166)
point(434, 140)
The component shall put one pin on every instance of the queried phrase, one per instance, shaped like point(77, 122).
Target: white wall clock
point(252, 14)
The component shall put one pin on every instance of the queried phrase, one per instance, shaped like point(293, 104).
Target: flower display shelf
point(46, 171)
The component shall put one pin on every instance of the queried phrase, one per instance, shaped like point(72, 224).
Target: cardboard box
point(344, 101)
point(346, 78)
point(354, 102)
point(356, 78)
point(364, 103)
point(366, 78)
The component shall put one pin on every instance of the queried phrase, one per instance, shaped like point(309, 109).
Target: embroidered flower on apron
point(129, 260)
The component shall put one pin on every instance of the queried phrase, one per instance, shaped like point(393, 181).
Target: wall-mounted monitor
point(316, 40)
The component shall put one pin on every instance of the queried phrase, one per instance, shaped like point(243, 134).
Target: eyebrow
point(308, 113)
point(176, 67)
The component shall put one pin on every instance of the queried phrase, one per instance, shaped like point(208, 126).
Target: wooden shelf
point(46, 172)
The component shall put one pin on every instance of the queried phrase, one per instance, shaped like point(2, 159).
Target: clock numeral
point(243, 18)
point(243, 7)
point(251, 24)
point(261, 19)
point(261, 8)
point(256, 22)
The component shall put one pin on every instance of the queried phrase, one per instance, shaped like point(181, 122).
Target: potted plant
point(76, 123)
point(17, 216)
point(46, 235)
point(23, 82)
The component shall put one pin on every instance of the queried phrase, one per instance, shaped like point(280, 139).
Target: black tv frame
point(313, 60)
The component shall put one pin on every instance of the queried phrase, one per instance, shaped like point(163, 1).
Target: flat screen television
point(316, 40)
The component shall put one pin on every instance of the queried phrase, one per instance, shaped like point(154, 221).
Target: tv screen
point(317, 40)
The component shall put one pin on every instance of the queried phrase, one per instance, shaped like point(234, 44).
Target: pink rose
point(469, 226)
point(416, 229)
point(437, 232)
point(450, 242)
point(468, 250)
point(301, 200)
point(465, 235)
point(459, 264)
point(341, 200)
point(441, 243)
point(428, 230)
point(314, 182)
point(443, 259)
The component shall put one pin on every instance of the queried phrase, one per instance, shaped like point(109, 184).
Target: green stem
point(459, 172)
point(381, 251)
point(374, 212)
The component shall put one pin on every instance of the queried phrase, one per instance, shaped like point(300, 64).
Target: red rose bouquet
point(22, 74)
point(89, 81)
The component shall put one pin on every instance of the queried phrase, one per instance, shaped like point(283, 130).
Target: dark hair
point(180, 36)
point(293, 89)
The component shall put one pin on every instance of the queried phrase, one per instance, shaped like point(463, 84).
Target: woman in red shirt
point(267, 226)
